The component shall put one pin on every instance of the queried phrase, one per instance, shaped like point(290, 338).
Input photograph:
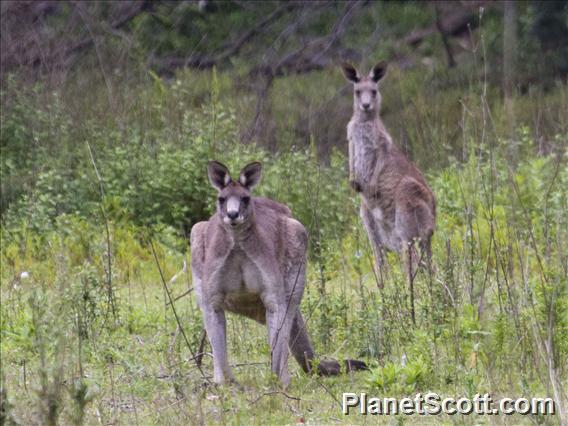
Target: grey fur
point(397, 206)
point(253, 265)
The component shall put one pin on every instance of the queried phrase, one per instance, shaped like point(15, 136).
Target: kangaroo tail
point(303, 352)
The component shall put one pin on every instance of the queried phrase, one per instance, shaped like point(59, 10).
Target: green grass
point(480, 323)
point(82, 343)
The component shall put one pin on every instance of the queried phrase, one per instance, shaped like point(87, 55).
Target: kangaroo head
point(366, 96)
point(234, 197)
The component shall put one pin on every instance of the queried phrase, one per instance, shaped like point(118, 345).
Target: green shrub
point(165, 183)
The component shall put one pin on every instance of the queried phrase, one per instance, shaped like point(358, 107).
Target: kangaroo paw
point(356, 186)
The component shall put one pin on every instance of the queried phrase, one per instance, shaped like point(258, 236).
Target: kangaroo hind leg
point(376, 244)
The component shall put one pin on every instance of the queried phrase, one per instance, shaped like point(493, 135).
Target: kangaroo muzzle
point(233, 211)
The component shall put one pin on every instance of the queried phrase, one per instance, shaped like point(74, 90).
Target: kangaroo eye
point(221, 200)
point(246, 200)
point(374, 93)
point(358, 92)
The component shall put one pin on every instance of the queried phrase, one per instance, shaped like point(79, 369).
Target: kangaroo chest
point(362, 137)
point(240, 275)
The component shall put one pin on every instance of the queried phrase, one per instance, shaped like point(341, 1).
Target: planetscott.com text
point(433, 404)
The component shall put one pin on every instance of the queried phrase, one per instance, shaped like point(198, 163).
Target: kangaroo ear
point(250, 175)
point(218, 174)
point(378, 71)
point(350, 72)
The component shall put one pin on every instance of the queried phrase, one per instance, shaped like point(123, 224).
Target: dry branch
point(27, 40)
point(230, 49)
point(313, 55)
point(128, 16)
point(454, 22)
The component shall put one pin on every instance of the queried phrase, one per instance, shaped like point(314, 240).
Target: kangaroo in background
point(397, 206)
point(250, 259)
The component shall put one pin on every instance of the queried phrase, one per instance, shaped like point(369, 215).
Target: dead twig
point(254, 401)
point(201, 349)
point(110, 292)
point(180, 296)
point(174, 309)
point(230, 49)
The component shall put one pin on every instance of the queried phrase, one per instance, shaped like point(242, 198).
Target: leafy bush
point(165, 183)
point(403, 378)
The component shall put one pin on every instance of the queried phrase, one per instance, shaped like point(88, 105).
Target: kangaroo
point(249, 258)
point(397, 206)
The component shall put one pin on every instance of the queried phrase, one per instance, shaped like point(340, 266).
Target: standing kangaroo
point(250, 259)
point(397, 206)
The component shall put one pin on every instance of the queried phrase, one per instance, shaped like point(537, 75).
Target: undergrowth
point(89, 336)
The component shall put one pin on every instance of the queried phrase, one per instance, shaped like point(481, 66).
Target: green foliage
point(400, 379)
point(165, 183)
point(496, 301)
point(490, 290)
point(175, 28)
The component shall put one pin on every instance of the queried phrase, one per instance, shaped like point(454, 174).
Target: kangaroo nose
point(233, 215)
point(366, 106)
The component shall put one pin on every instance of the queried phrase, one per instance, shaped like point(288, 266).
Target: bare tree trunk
point(509, 63)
